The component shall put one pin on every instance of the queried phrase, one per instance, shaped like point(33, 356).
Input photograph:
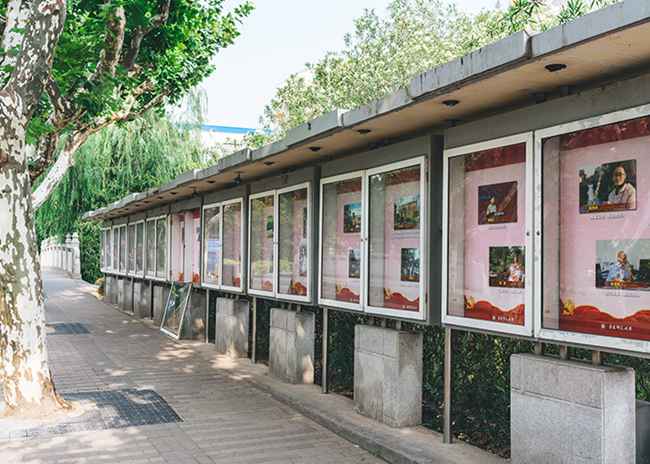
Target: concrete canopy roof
point(504, 74)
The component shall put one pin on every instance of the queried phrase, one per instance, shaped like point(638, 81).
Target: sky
point(276, 40)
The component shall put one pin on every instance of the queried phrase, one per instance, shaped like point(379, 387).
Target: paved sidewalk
point(224, 418)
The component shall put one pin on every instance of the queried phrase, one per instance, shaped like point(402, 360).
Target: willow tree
point(67, 70)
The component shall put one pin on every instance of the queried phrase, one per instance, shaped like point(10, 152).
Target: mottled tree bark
point(24, 370)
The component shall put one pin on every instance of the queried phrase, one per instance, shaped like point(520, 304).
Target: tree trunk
point(25, 376)
point(23, 355)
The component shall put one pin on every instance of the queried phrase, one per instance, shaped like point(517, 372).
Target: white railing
point(62, 255)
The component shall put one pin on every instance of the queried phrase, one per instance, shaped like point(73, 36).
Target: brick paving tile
point(224, 420)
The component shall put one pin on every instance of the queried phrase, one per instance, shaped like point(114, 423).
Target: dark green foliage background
point(117, 161)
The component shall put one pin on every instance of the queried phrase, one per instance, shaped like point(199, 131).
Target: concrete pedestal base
point(231, 327)
point(388, 375)
point(160, 295)
point(110, 289)
point(141, 299)
point(291, 346)
point(127, 301)
point(569, 412)
point(120, 292)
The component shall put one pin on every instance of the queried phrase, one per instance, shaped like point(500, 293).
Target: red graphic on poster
point(589, 319)
point(395, 300)
point(345, 294)
point(488, 312)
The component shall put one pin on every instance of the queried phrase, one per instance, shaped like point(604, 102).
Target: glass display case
point(161, 247)
point(212, 245)
point(341, 241)
point(131, 249)
point(139, 248)
point(185, 242)
point(106, 249)
point(115, 231)
point(223, 245)
point(594, 242)
point(294, 243)
point(122, 249)
point(396, 231)
point(488, 266)
point(150, 247)
point(233, 243)
point(261, 250)
point(373, 240)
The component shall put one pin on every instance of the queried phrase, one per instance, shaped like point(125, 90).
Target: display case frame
point(595, 341)
point(421, 314)
point(331, 180)
point(253, 291)
point(276, 254)
point(134, 272)
point(122, 229)
point(363, 306)
point(106, 232)
point(140, 274)
point(478, 324)
point(220, 285)
point(154, 221)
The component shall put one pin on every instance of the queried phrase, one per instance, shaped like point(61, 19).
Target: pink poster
point(261, 243)
point(394, 237)
point(341, 252)
point(293, 246)
point(604, 211)
point(494, 273)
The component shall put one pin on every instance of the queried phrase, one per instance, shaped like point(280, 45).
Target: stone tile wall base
point(231, 327)
point(570, 412)
point(291, 346)
point(388, 375)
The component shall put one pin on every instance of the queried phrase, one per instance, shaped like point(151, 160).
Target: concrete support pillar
point(565, 411)
point(231, 327)
point(291, 346)
point(388, 375)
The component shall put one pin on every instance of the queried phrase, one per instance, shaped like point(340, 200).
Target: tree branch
point(43, 154)
point(62, 107)
point(60, 167)
point(140, 32)
point(79, 136)
point(110, 55)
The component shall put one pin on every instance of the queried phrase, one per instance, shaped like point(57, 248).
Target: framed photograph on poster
point(488, 217)
point(497, 203)
point(593, 239)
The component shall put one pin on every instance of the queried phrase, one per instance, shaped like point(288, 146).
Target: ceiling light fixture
point(555, 67)
point(315, 148)
point(451, 103)
point(364, 131)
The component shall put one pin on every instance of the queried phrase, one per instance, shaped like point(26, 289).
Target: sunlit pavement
point(224, 418)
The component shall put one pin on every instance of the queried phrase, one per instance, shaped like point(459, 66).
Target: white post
point(76, 256)
point(68, 261)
